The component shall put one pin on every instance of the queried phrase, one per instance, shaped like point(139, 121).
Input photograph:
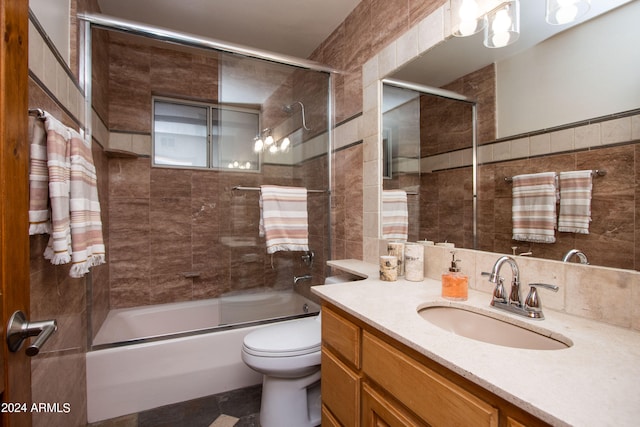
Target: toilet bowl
point(288, 356)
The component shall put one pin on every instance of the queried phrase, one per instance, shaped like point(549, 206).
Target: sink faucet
point(297, 279)
point(577, 252)
point(532, 306)
point(494, 277)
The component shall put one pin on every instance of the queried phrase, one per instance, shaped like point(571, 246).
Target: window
point(196, 135)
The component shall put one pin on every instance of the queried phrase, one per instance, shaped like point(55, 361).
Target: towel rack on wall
point(595, 172)
point(239, 187)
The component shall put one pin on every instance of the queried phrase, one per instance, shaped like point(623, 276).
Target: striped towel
point(395, 215)
point(283, 218)
point(575, 201)
point(39, 222)
point(76, 234)
point(534, 207)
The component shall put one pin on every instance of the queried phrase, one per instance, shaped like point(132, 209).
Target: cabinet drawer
point(380, 412)
point(340, 390)
point(342, 336)
point(432, 397)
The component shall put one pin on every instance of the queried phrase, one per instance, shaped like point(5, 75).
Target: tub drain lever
point(19, 329)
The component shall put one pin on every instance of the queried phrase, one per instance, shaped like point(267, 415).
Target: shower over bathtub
point(146, 357)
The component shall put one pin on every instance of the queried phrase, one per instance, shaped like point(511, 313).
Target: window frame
point(210, 140)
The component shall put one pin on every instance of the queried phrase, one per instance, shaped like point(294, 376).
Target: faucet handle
point(499, 294)
point(532, 303)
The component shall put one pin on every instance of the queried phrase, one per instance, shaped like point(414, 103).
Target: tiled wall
point(606, 295)
point(58, 373)
point(180, 234)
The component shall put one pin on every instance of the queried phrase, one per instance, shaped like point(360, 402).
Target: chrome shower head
point(289, 109)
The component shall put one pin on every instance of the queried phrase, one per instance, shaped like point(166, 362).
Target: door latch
point(19, 329)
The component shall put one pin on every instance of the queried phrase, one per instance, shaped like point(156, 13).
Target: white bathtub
point(136, 377)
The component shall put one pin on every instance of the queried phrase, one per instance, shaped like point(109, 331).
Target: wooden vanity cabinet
point(369, 379)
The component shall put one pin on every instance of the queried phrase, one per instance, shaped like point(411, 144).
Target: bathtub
point(147, 357)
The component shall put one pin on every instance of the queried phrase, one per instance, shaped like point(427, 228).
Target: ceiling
point(459, 56)
point(290, 27)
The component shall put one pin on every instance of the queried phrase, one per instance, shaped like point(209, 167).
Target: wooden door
point(14, 239)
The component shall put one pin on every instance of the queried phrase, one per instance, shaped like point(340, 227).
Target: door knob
point(19, 329)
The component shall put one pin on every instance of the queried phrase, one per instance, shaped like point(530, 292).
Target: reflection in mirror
point(570, 102)
point(431, 141)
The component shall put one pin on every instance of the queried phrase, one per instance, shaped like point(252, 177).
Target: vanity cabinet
point(370, 379)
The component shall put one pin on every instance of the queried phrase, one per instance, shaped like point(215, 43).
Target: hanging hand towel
point(39, 222)
point(283, 218)
point(395, 215)
point(75, 209)
point(534, 207)
point(575, 201)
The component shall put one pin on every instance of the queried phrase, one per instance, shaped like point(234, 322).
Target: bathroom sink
point(481, 326)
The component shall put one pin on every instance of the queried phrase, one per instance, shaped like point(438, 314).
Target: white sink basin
point(482, 326)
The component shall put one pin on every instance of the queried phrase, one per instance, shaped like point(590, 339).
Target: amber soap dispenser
point(455, 285)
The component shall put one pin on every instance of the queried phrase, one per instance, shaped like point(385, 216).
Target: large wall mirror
point(560, 99)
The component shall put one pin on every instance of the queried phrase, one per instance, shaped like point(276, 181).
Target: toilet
point(288, 356)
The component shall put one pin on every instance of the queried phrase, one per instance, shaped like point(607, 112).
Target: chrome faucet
point(297, 279)
point(577, 252)
point(494, 277)
point(532, 306)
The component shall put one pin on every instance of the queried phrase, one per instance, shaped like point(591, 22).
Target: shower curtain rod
point(239, 187)
point(164, 34)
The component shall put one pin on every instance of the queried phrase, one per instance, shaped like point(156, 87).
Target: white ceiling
point(457, 57)
point(291, 27)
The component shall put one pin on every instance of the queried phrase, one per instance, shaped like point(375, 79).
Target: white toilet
point(288, 356)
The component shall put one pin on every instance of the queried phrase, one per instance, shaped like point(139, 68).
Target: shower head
point(289, 109)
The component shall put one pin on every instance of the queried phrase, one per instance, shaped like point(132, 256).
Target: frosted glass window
point(204, 136)
point(180, 135)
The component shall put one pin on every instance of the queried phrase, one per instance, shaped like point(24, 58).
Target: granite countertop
point(595, 382)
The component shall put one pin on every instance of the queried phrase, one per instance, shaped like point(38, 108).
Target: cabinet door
point(431, 396)
point(380, 412)
point(342, 336)
point(340, 390)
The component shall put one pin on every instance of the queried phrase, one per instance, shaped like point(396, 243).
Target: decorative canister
point(397, 249)
point(414, 262)
point(388, 268)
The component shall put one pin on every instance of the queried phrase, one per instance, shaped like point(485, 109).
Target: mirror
point(54, 16)
point(558, 103)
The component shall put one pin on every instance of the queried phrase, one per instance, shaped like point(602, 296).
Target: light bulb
point(561, 12)
point(230, 165)
point(468, 28)
point(247, 165)
point(273, 149)
point(566, 14)
point(268, 141)
point(500, 39)
point(258, 145)
point(502, 22)
point(285, 144)
point(468, 10)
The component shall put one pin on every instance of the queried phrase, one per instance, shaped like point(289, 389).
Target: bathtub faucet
point(297, 279)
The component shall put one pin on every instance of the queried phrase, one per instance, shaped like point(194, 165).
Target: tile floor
point(243, 404)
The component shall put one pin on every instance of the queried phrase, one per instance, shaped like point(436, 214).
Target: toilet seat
point(288, 339)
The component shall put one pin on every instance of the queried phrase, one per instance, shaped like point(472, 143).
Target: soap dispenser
point(455, 285)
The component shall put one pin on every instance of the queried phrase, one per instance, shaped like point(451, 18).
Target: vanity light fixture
point(503, 25)
point(266, 142)
point(470, 19)
point(501, 19)
point(565, 11)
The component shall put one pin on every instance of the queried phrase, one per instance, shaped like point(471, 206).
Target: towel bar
point(595, 172)
point(239, 187)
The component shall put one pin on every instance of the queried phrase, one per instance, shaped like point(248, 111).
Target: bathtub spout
point(297, 279)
